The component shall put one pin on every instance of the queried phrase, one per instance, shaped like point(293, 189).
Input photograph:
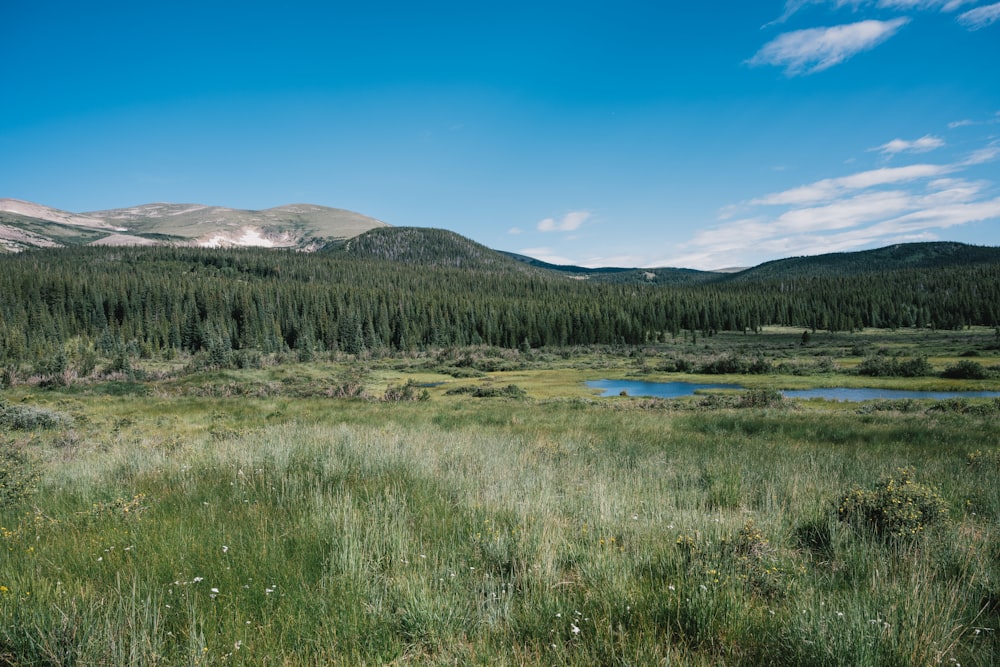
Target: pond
point(658, 389)
point(679, 389)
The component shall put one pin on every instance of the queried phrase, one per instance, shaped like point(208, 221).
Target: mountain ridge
point(310, 227)
point(306, 227)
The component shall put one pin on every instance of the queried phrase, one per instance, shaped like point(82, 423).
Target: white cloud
point(982, 155)
point(514, 230)
point(829, 188)
point(816, 49)
point(852, 212)
point(980, 17)
point(793, 6)
point(944, 5)
point(922, 145)
point(568, 223)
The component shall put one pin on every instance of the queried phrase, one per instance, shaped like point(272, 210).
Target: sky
point(705, 134)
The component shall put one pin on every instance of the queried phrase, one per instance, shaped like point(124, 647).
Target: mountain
point(301, 226)
point(430, 248)
point(660, 276)
point(309, 227)
point(928, 255)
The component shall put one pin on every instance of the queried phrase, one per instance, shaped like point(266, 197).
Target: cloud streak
point(980, 17)
point(804, 52)
point(924, 144)
point(851, 212)
point(568, 223)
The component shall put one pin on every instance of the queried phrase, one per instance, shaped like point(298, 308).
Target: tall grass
point(216, 531)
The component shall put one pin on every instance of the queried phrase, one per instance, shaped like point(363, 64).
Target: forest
point(161, 301)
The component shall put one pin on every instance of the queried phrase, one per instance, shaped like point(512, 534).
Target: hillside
point(932, 255)
point(26, 225)
point(430, 248)
point(658, 276)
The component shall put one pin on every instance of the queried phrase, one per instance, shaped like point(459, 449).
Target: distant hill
point(664, 276)
point(428, 247)
point(931, 255)
point(300, 226)
point(308, 227)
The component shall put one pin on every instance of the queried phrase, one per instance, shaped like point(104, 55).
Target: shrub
point(761, 398)
point(984, 460)
point(27, 418)
point(882, 365)
point(410, 391)
point(17, 479)
point(489, 391)
point(966, 370)
point(897, 508)
point(736, 365)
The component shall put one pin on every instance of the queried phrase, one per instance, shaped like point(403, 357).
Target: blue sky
point(701, 134)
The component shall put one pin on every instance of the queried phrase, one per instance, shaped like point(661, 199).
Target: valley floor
point(308, 513)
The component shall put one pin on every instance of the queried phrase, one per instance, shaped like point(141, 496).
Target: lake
point(679, 389)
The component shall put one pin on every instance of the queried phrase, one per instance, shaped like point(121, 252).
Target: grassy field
point(287, 514)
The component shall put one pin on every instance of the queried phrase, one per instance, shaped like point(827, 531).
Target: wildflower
point(574, 628)
point(225, 549)
point(215, 590)
point(197, 579)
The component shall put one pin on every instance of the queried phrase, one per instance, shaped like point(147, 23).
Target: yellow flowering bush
point(897, 508)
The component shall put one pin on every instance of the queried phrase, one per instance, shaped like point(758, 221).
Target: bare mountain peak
point(47, 213)
point(300, 226)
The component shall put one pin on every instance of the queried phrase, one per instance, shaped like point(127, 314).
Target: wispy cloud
point(974, 19)
point(568, 223)
point(980, 17)
point(831, 188)
point(983, 155)
point(851, 212)
point(815, 49)
point(793, 6)
point(924, 144)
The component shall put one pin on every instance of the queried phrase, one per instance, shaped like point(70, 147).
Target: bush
point(966, 370)
point(761, 398)
point(27, 418)
point(897, 508)
point(17, 479)
point(735, 365)
point(881, 365)
point(410, 391)
point(489, 391)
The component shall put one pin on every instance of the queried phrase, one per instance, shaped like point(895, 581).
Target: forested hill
point(659, 276)
point(429, 248)
point(159, 300)
point(935, 255)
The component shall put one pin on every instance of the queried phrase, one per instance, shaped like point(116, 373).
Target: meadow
point(481, 506)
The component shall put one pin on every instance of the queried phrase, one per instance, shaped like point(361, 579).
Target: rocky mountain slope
point(300, 226)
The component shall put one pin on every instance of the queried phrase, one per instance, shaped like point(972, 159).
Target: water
point(862, 394)
point(679, 389)
point(658, 389)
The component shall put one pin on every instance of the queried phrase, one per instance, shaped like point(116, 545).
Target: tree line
point(165, 300)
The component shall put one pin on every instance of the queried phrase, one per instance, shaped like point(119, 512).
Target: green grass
point(246, 517)
point(490, 532)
